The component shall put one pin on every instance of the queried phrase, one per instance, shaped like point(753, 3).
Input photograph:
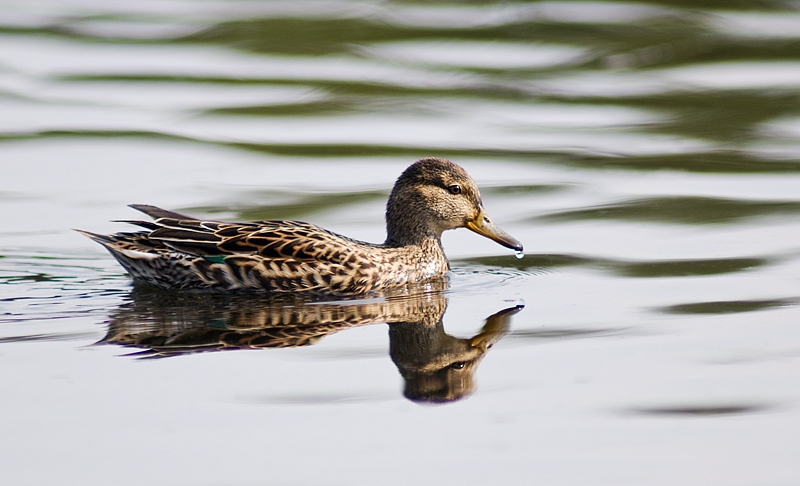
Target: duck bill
point(484, 227)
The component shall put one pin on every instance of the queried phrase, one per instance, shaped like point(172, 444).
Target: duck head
point(435, 195)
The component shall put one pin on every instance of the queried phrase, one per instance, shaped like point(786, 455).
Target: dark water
point(646, 154)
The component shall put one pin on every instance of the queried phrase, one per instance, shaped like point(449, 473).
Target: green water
point(646, 154)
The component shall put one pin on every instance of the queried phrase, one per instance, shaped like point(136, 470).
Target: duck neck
point(407, 221)
point(404, 230)
point(419, 246)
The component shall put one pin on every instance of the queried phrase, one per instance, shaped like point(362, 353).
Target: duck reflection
point(436, 366)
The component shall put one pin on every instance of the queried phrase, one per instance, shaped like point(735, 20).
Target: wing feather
point(157, 213)
point(273, 255)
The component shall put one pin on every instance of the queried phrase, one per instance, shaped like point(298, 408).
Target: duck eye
point(454, 189)
point(458, 365)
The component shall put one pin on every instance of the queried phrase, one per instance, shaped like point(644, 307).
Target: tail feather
point(104, 240)
point(158, 213)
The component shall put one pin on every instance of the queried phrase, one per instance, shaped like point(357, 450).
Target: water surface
point(645, 153)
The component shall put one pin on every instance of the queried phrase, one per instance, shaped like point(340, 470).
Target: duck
point(179, 252)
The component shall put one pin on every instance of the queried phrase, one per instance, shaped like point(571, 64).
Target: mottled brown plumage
point(179, 252)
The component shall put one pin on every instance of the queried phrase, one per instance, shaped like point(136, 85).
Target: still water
point(646, 154)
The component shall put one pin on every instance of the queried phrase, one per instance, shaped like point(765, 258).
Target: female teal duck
point(178, 252)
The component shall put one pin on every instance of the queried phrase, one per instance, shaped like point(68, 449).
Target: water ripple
point(694, 210)
point(634, 269)
point(729, 306)
point(705, 410)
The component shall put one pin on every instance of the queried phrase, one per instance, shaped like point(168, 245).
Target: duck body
point(178, 252)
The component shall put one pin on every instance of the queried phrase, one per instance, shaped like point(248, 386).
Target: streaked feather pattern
point(278, 256)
